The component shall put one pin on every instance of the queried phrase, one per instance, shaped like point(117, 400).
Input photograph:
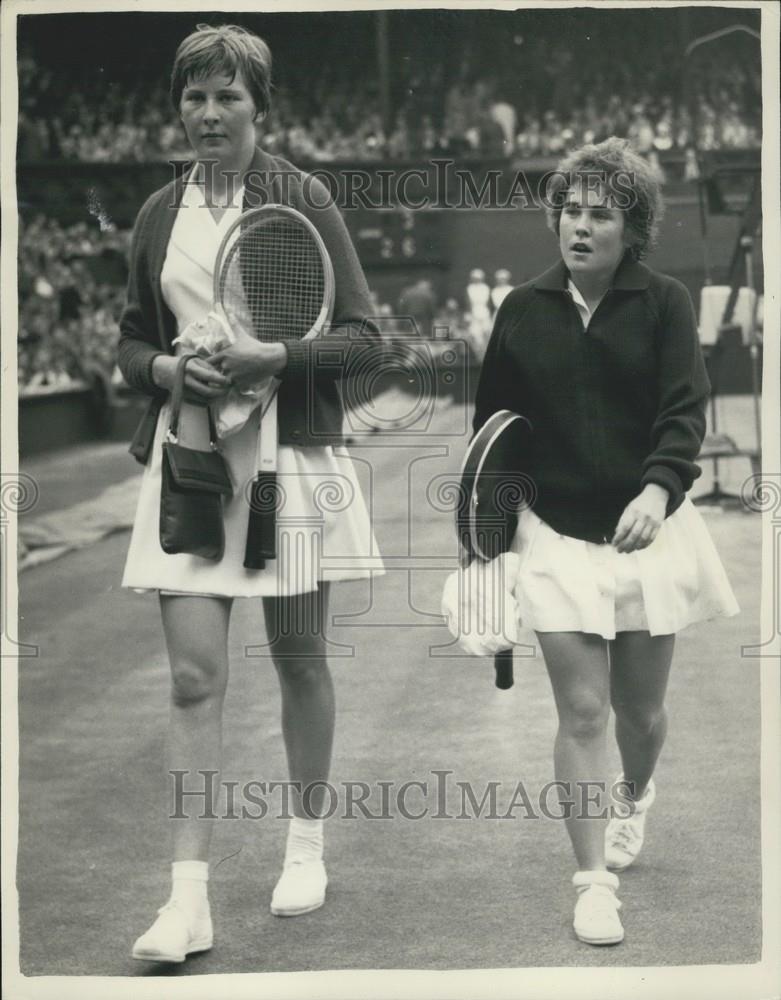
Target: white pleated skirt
point(565, 584)
point(324, 530)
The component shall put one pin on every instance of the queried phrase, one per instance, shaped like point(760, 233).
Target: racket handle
point(262, 526)
point(503, 664)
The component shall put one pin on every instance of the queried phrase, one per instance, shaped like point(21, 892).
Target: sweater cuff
point(297, 354)
point(664, 476)
point(153, 387)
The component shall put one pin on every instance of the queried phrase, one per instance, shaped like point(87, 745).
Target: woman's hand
point(202, 381)
point(641, 520)
point(248, 361)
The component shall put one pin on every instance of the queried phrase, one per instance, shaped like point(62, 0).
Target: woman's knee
point(299, 655)
point(643, 720)
point(300, 671)
point(196, 631)
point(193, 682)
point(585, 716)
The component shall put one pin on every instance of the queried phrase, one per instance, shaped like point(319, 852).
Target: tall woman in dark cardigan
point(602, 355)
point(220, 87)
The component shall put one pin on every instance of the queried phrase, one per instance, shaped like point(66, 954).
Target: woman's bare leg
point(577, 664)
point(295, 627)
point(639, 671)
point(196, 632)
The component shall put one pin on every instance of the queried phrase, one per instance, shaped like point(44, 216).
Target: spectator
point(505, 116)
point(335, 119)
point(452, 319)
point(67, 318)
point(418, 301)
point(491, 139)
point(478, 298)
point(641, 132)
point(501, 289)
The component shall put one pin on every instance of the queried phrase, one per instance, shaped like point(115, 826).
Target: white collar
point(580, 302)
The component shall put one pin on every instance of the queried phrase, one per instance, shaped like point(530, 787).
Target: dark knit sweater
point(310, 406)
point(613, 407)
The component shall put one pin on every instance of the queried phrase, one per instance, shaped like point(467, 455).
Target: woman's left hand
point(248, 361)
point(641, 520)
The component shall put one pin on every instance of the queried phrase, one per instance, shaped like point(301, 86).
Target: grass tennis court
point(426, 894)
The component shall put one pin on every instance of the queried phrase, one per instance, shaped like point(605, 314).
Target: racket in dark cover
point(494, 487)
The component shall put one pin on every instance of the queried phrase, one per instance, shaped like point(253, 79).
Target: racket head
point(273, 276)
point(494, 485)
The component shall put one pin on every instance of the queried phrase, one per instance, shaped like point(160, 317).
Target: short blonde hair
point(629, 179)
point(226, 48)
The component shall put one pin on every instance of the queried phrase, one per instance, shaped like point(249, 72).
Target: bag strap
point(177, 396)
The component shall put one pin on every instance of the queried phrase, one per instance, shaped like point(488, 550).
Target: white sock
point(189, 884)
point(304, 840)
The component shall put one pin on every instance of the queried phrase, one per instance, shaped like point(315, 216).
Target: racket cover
point(494, 488)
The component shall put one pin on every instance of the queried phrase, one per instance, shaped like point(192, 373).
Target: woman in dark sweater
point(220, 87)
point(602, 355)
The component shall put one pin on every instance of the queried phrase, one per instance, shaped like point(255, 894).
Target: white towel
point(478, 602)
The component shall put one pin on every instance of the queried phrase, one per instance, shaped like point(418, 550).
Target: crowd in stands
point(68, 311)
point(531, 101)
point(71, 294)
point(553, 105)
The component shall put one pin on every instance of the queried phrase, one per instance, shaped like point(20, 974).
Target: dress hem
point(679, 627)
point(177, 592)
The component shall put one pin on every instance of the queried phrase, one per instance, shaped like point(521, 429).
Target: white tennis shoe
point(300, 889)
point(596, 918)
point(174, 935)
point(625, 831)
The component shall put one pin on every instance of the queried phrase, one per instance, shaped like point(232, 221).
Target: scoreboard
point(398, 237)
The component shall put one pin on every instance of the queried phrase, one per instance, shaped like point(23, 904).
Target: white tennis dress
point(324, 530)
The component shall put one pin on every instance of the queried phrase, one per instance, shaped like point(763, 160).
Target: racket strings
point(272, 282)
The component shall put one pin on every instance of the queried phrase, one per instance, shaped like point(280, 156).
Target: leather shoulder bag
point(193, 485)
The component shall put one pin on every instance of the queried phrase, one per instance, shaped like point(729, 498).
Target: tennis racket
point(492, 487)
point(273, 280)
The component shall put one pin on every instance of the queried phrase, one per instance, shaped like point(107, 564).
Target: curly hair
point(631, 183)
point(227, 49)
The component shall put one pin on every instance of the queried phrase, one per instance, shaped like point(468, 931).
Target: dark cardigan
point(613, 407)
point(310, 405)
